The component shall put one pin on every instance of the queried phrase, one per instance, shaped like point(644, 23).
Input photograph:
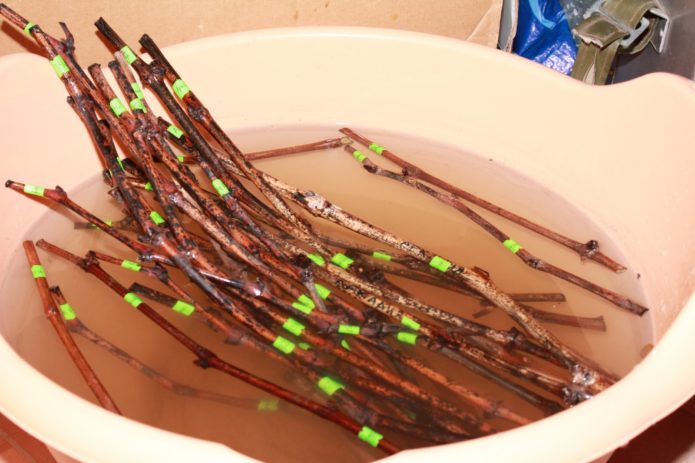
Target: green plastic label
point(128, 54)
point(59, 66)
point(329, 385)
point(410, 323)
point(349, 329)
point(304, 304)
point(322, 291)
point(67, 311)
point(345, 345)
point(304, 345)
point(183, 308)
point(27, 29)
point(130, 265)
point(407, 338)
point(136, 103)
point(341, 260)
point(378, 149)
point(268, 405)
point(317, 259)
point(175, 131)
point(357, 154)
point(220, 187)
point(117, 107)
point(156, 218)
point(38, 271)
point(283, 345)
point(132, 299)
point(512, 246)
point(148, 186)
point(137, 90)
point(293, 326)
point(180, 88)
point(381, 256)
point(34, 190)
point(370, 436)
point(440, 264)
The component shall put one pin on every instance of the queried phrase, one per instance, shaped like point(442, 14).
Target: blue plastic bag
point(544, 36)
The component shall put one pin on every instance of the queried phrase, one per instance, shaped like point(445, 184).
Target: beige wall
point(174, 21)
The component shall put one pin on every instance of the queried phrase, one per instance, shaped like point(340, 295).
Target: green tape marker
point(317, 259)
point(345, 345)
point(357, 154)
point(38, 271)
point(268, 405)
point(293, 326)
point(59, 66)
point(410, 323)
point(329, 385)
point(180, 157)
point(407, 338)
point(148, 186)
point(219, 186)
point(67, 311)
point(183, 308)
point(136, 103)
point(180, 88)
point(512, 246)
point(349, 329)
point(128, 54)
point(341, 260)
point(378, 149)
point(34, 190)
point(132, 299)
point(120, 164)
point(323, 291)
point(117, 107)
point(381, 256)
point(440, 264)
point(130, 265)
point(283, 345)
point(370, 436)
point(27, 29)
point(156, 218)
point(304, 304)
point(109, 223)
point(304, 345)
point(175, 131)
point(137, 90)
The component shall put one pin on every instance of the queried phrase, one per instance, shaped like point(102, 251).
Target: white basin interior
point(620, 154)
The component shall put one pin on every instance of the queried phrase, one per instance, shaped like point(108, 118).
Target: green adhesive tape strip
point(304, 345)
point(283, 345)
point(512, 246)
point(349, 329)
point(128, 55)
point(341, 260)
point(220, 187)
point(370, 436)
point(38, 271)
point(345, 345)
point(268, 405)
point(410, 323)
point(317, 259)
point(130, 265)
point(304, 304)
point(137, 90)
point(329, 385)
point(378, 149)
point(440, 264)
point(183, 308)
point(156, 218)
point(407, 338)
point(181, 158)
point(59, 66)
point(136, 103)
point(132, 299)
point(109, 223)
point(27, 29)
point(148, 186)
point(359, 155)
point(34, 190)
point(180, 88)
point(293, 326)
point(117, 107)
point(323, 291)
point(67, 311)
point(120, 164)
point(381, 256)
point(175, 131)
